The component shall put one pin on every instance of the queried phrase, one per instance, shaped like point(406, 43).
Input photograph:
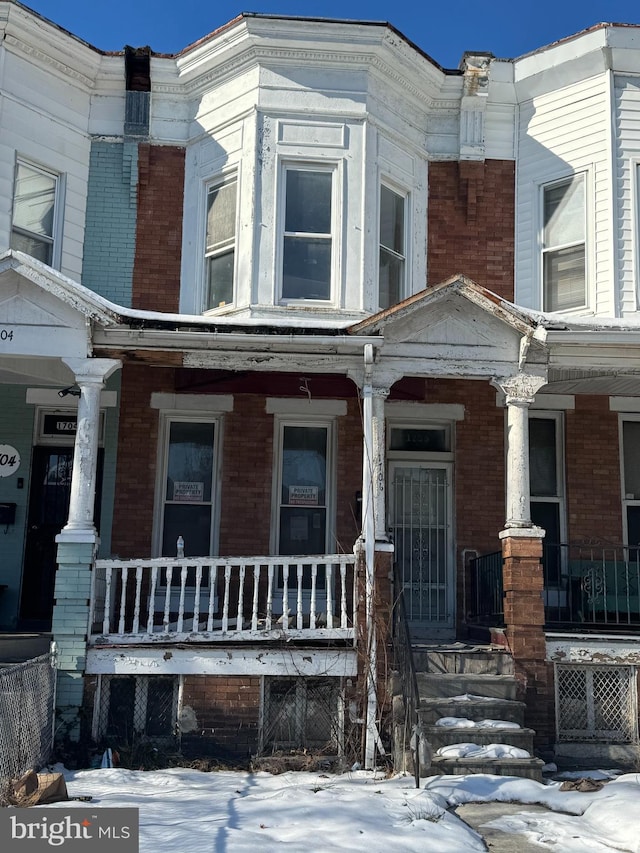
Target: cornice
point(256, 54)
point(20, 46)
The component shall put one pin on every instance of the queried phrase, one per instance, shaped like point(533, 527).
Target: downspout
point(371, 738)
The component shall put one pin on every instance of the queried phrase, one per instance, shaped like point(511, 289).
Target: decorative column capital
point(92, 370)
point(521, 389)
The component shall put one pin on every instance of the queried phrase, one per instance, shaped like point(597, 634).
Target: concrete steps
point(475, 683)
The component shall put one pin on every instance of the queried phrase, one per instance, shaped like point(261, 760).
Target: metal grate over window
point(132, 707)
point(302, 713)
point(596, 703)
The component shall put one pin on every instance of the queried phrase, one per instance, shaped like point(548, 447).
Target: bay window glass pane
point(221, 214)
point(391, 220)
point(631, 451)
point(220, 279)
point(564, 210)
point(308, 202)
point(306, 270)
point(543, 469)
point(391, 278)
point(34, 200)
point(564, 279)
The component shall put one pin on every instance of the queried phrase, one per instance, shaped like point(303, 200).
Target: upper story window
point(34, 201)
point(391, 282)
point(307, 252)
point(221, 242)
point(563, 245)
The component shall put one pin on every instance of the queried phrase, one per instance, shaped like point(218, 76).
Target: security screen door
point(420, 515)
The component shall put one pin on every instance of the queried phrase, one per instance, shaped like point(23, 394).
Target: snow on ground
point(187, 811)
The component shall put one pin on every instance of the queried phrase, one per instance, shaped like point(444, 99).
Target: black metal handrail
point(584, 585)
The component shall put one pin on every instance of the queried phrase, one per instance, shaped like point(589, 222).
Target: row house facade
point(296, 323)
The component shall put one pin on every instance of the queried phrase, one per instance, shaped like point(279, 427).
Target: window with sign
point(34, 208)
point(187, 494)
point(303, 488)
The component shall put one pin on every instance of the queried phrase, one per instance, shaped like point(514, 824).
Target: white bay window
point(34, 203)
point(564, 244)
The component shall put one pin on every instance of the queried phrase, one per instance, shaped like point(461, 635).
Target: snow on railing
point(209, 598)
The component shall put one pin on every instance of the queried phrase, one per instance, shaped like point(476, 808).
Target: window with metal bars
point(596, 703)
point(131, 707)
point(302, 713)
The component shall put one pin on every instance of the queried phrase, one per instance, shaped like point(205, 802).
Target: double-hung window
point(188, 488)
point(563, 245)
point(220, 242)
point(34, 200)
point(303, 488)
point(391, 284)
point(307, 250)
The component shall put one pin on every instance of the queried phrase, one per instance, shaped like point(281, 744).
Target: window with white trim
point(187, 494)
point(547, 485)
point(34, 203)
point(221, 242)
point(307, 240)
point(564, 244)
point(393, 252)
point(303, 488)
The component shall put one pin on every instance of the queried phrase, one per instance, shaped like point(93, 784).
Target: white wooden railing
point(204, 599)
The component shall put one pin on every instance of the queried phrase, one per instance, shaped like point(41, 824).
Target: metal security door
point(421, 527)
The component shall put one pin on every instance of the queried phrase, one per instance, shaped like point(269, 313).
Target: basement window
point(596, 704)
point(131, 707)
point(302, 713)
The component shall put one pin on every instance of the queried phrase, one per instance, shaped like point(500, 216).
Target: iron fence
point(486, 607)
point(27, 705)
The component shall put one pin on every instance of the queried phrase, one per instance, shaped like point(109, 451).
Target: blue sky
point(442, 28)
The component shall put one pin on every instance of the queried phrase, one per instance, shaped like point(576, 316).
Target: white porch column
point(90, 375)
point(520, 391)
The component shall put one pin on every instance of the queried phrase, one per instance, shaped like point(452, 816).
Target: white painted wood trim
point(192, 402)
point(223, 661)
point(424, 411)
point(289, 406)
point(624, 404)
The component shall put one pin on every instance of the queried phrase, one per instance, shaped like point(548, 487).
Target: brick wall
point(225, 712)
point(110, 230)
point(156, 276)
point(593, 471)
point(470, 223)
point(137, 459)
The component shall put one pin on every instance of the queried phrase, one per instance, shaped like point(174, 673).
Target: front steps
point(476, 683)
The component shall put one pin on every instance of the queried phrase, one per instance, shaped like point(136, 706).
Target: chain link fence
point(27, 706)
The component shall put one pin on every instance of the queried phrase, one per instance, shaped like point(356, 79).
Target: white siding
point(44, 119)
point(561, 133)
point(627, 158)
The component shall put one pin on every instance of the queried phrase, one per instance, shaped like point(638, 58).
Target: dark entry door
point(48, 511)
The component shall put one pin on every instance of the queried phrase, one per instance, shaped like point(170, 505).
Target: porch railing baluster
point(141, 601)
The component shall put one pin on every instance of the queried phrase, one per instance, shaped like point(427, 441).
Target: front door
point(48, 512)
point(420, 516)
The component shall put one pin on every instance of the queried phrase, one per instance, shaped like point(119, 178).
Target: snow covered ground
point(187, 811)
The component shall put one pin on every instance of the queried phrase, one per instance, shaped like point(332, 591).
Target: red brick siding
point(156, 272)
point(593, 471)
point(470, 223)
point(137, 457)
point(227, 713)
